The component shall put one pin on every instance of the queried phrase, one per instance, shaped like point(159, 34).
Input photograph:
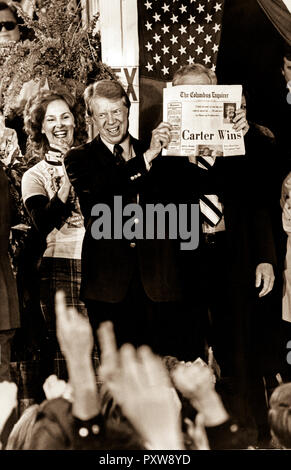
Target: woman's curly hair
point(34, 113)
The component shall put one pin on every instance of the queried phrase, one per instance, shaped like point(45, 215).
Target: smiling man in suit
point(135, 283)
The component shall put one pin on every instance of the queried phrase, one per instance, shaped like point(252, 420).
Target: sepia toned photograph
point(145, 285)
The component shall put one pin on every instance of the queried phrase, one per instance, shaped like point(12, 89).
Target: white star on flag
point(157, 38)
point(150, 67)
point(174, 19)
point(207, 59)
point(157, 17)
point(183, 29)
point(191, 19)
point(166, 7)
point(199, 50)
point(200, 29)
point(174, 39)
point(217, 7)
point(157, 58)
point(208, 18)
point(216, 27)
point(191, 40)
point(173, 60)
point(148, 5)
point(200, 8)
point(190, 60)
point(165, 29)
point(182, 50)
point(207, 38)
point(165, 70)
point(183, 8)
point(165, 49)
point(215, 48)
point(148, 25)
point(149, 46)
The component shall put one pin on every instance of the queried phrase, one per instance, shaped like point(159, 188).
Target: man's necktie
point(117, 152)
point(209, 203)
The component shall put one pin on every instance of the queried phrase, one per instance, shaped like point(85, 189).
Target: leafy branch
point(62, 51)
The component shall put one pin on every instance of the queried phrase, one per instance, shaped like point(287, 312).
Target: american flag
point(178, 32)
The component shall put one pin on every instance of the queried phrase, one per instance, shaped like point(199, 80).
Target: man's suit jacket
point(166, 272)
point(108, 265)
point(246, 186)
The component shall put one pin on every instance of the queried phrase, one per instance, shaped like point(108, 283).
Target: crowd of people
point(190, 344)
point(145, 402)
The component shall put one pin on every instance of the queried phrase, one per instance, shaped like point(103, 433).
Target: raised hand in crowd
point(286, 214)
point(196, 383)
point(213, 365)
point(196, 430)
point(55, 388)
point(287, 70)
point(140, 384)
point(285, 203)
point(109, 358)
point(75, 338)
point(8, 401)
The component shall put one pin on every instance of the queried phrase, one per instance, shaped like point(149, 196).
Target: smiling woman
point(54, 123)
point(51, 115)
point(58, 124)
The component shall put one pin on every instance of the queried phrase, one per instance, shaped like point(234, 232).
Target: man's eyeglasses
point(8, 25)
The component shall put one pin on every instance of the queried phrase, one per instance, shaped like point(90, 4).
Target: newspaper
point(202, 120)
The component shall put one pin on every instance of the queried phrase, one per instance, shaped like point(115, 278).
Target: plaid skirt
point(55, 274)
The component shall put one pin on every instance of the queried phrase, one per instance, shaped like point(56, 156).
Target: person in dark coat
point(237, 265)
point(135, 283)
point(9, 311)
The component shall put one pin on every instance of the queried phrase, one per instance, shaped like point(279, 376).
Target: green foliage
point(62, 51)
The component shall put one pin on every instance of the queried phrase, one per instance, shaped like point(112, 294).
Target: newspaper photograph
point(202, 120)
